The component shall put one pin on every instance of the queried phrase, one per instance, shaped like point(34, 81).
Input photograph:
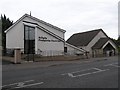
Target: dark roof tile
point(83, 39)
point(100, 43)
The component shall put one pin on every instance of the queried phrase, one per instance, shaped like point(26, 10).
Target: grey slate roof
point(83, 39)
point(100, 43)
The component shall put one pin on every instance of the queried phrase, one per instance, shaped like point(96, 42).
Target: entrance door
point(109, 50)
point(29, 40)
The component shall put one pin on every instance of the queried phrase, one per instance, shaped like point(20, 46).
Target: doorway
point(109, 50)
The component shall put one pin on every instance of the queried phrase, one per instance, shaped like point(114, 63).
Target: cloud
point(72, 15)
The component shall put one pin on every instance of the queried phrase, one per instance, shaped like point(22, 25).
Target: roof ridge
point(27, 15)
point(46, 23)
point(88, 31)
point(84, 38)
point(16, 22)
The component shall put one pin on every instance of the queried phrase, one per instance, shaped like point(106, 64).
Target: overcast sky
point(74, 16)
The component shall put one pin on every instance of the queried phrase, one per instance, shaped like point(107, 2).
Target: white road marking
point(112, 64)
point(17, 83)
point(21, 84)
point(78, 71)
point(79, 75)
point(29, 85)
point(115, 65)
point(88, 73)
point(71, 73)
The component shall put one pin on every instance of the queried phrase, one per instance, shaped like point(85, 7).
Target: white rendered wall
point(15, 37)
point(72, 50)
point(48, 46)
point(95, 39)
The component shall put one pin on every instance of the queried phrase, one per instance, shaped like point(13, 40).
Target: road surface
point(99, 73)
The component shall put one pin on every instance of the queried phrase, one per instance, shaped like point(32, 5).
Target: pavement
point(30, 64)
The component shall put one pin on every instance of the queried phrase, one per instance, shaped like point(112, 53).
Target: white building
point(33, 35)
point(95, 42)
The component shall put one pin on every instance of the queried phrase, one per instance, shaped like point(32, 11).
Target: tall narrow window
point(29, 40)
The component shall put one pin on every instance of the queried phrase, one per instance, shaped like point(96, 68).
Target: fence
point(50, 53)
point(57, 53)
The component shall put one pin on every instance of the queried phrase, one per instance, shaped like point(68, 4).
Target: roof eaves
point(88, 31)
point(110, 40)
point(85, 44)
point(26, 15)
point(45, 30)
point(74, 47)
point(15, 23)
point(56, 36)
point(48, 24)
point(98, 47)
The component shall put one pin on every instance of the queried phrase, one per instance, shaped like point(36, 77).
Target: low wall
point(53, 58)
point(59, 58)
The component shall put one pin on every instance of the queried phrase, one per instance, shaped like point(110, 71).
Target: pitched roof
point(83, 39)
point(100, 43)
point(34, 18)
point(45, 30)
point(48, 24)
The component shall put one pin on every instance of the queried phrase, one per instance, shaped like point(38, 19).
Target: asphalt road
point(102, 73)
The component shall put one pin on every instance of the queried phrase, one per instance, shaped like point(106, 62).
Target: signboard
point(45, 39)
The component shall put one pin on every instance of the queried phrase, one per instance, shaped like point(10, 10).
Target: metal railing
point(57, 53)
point(50, 53)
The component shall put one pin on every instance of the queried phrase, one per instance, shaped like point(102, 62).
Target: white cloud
point(71, 15)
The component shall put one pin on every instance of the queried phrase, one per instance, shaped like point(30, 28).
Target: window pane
point(32, 34)
point(29, 33)
point(26, 34)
